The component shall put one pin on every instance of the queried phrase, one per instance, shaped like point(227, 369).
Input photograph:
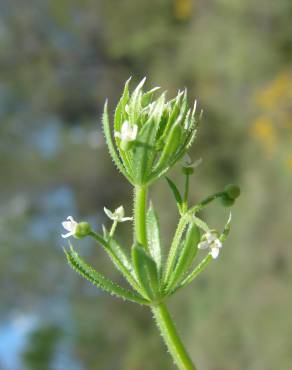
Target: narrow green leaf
point(153, 236)
point(197, 270)
point(186, 255)
point(173, 142)
point(120, 253)
point(144, 152)
point(146, 271)
point(119, 117)
point(175, 247)
point(135, 103)
point(110, 144)
point(147, 97)
point(99, 280)
point(175, 192)
point(172, 117)
point(119, 257)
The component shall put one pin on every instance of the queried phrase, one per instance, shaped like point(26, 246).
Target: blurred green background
point(59, 61)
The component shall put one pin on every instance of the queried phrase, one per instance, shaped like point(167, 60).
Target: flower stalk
point(160, 311)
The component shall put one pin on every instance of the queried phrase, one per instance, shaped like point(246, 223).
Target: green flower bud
point(232, 191)
point(187, 170)
point(82, 229)
point(150, 133)
point(226, 201)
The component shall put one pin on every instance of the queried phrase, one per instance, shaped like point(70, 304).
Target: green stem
point(160, 312)
point(113, 228)
point(140, 214)
point(171, 338)
point(205, 202)
point(186, 193)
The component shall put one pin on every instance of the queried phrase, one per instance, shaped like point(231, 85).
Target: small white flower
point(128, 132)
point(69, 225)
point(187, 162)
point(117, 215)
point(211, 241)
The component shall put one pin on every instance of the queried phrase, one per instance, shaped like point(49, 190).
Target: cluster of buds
point(150, 133)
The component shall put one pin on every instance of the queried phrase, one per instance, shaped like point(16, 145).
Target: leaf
point(153, 236)
point(136, 102)
point(118, 118)
point(110, 144)
point(144, 151)
point(146, 271)
point(175, 192)
point(186, 255)
point(172, 143)
point(175, 247)
point(119, 258)
point(173, 116)
point(98, 279)
point(197, 270)
point(147, 97)
point(120, 253)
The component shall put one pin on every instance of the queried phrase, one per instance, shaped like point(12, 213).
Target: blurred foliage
point(40, 350)
point(59, 60)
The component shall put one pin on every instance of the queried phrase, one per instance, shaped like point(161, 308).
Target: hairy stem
point(140, 203)
point(171, 338)
point(186, 193)
point(160, 311)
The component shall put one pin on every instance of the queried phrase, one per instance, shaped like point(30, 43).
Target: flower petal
point(126, 219)
point(218, 243)
point(214, 252)
point(203, 245)
point(109, 213)
point(126, 127)
point(134, 132)
point(119, 212)
point(67, 235)
point(67, 225)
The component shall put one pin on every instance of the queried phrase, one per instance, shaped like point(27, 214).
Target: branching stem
point(160, 311)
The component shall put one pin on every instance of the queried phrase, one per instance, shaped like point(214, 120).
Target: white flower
point(71, 226)
point(187, 162)
point(117, 215)
point(128, 132)
point(211, 241)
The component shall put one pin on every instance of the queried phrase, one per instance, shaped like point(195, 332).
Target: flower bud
point(82, 229)
point(232, 191)
point(187, 170)
point(226, 201)
point(151, 134)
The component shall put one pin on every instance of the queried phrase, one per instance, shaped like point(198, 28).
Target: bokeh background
point(59, 61)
